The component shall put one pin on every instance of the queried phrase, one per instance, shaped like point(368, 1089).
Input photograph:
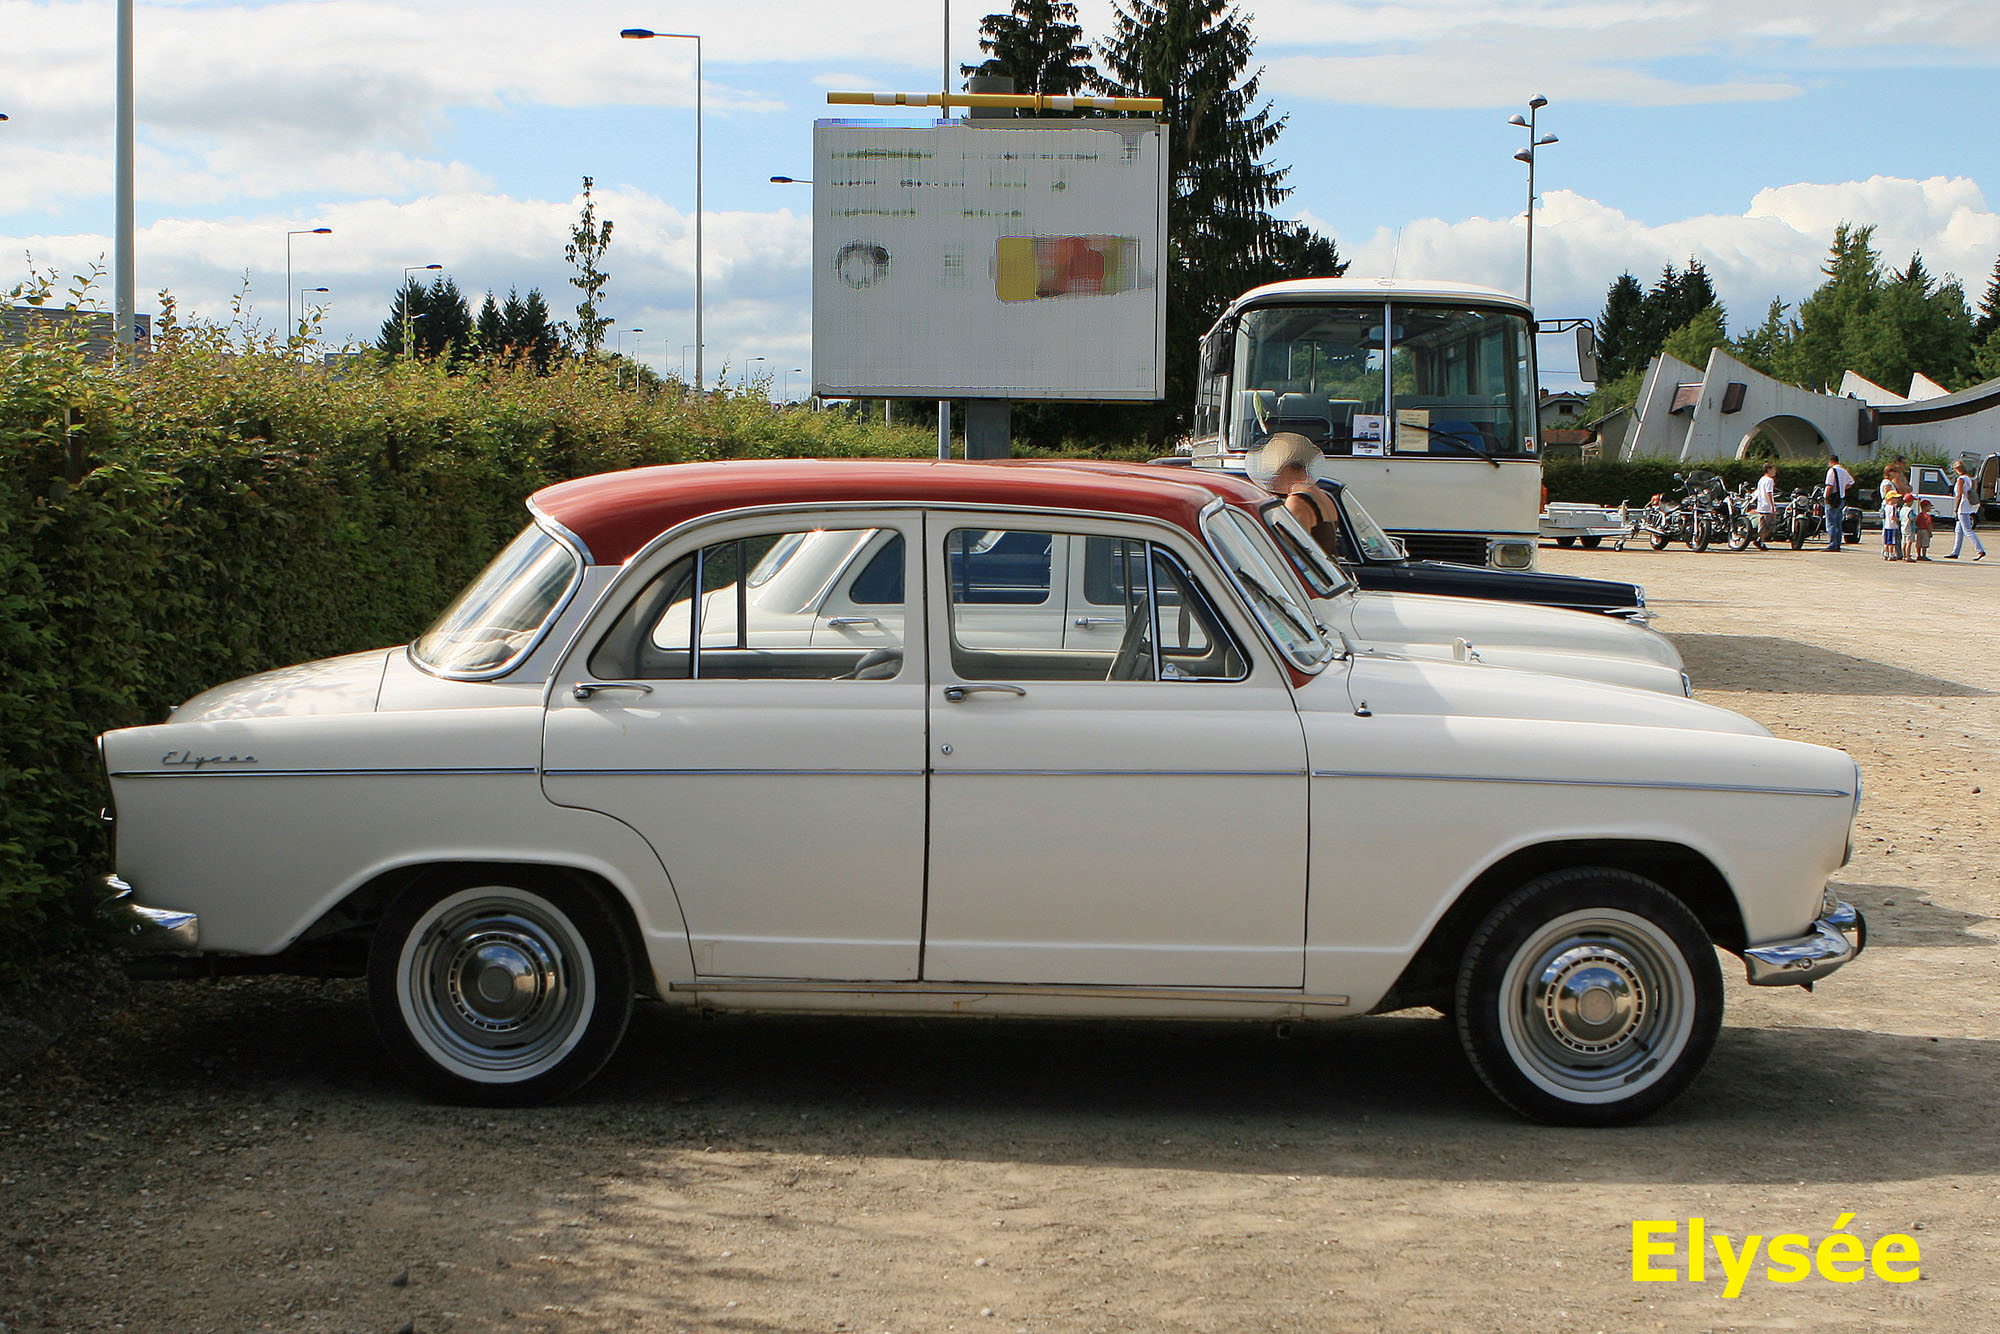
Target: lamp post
point(124, 302)
point(746, 372)
point(302, 299)
point(290, 328)
point(642, 34)
point(1527, 155)
point(409, 319)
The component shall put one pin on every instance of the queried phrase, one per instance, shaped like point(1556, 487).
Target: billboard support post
point(944, 428)
point(988, 428)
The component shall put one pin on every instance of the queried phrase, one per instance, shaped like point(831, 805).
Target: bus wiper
point(1453, 438)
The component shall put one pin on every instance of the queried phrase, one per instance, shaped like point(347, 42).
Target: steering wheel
point(1135, 654)
point(875, 665)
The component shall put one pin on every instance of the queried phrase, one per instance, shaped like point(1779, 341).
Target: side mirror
point(1586, 354)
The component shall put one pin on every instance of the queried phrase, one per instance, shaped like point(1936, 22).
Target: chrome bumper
point(1838, 935)
point(133, 928)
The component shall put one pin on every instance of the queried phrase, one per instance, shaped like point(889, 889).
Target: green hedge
point(1602, 483)
point(222, 510)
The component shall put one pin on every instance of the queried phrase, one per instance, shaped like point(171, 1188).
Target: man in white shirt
point(1767, 505)
point(1838, 480)
point(1966, 509)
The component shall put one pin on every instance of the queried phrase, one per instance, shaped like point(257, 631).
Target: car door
point(781, 782)
point(1129, 811)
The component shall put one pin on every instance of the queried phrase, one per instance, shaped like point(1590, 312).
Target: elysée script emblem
point(187, 759)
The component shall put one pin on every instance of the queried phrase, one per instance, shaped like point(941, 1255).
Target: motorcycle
point(1803, 517)
point(1700, 516)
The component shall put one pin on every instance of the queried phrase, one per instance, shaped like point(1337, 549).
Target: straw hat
point(1284, 449)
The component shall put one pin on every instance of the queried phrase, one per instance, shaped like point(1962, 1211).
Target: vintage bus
point(1421, 396)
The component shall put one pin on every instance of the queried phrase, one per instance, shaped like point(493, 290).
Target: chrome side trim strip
point(1289, 996)
point(1643, 783)
point(734, 773)
point(318, 773)
point(1118, 773)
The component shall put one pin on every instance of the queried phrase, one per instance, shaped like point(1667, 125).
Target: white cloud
point(1774, 247)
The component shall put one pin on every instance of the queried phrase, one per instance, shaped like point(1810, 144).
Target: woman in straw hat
point(1284, 467)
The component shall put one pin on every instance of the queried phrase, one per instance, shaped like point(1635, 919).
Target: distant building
point(1561, 411)
point(17, 324)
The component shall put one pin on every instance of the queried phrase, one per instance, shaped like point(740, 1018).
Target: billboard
point(1005, 259)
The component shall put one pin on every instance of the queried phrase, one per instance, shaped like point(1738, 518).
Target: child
point(1892, 545)
point(1907, 517)
point(1924, 530)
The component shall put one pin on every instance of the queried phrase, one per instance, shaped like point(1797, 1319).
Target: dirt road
point(237, 1156)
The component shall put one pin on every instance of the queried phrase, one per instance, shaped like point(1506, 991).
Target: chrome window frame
point(580, 562)
point(1284, 570)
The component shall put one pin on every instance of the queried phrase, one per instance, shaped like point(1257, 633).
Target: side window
point(998, 568)
point(880, 582)
point(744, 610)
point(1148, 620)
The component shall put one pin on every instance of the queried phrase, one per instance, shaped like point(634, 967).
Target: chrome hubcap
point(1591, 998)
point(497, 983)
point(1595, 1004)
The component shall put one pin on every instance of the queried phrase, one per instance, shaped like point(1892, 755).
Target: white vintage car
point(1586, 645)
point(599, 776)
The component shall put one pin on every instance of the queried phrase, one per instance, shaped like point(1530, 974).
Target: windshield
point(1320, 573)
point(1385, 378)
point(1367, 534)
point(498, 617)
point(1271, 595)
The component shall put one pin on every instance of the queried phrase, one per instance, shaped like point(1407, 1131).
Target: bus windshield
point(1385, 378)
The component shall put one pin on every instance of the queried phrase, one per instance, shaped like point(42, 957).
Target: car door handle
point(838, 621)
point(585, 689)
point(1098, 620)
point(957, 694)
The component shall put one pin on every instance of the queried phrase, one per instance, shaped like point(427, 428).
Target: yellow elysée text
point(1839, 1257)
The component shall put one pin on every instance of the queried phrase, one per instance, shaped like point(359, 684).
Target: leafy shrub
point(222, 508)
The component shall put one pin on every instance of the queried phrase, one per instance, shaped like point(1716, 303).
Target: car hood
point(1532, 585)
point(349, 684)
point(1386, 620)
point(1389, 687)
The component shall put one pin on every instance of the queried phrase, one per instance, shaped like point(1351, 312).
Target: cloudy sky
point(447, 132)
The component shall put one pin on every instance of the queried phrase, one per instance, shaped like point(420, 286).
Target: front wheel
point(1740, 535)
point(501, 991)
point(1569, 541)
point(1699, 536)
point(1589, 997)
point(1657, 541)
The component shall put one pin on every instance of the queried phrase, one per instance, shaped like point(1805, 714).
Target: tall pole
point(1527, 155)
point(124, 284)
point(304, 231)
point(641, 34)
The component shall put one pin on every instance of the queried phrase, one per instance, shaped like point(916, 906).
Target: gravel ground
point(236, 1156)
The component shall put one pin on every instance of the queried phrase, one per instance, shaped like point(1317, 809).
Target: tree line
point(434, 321)
point(1885, 324)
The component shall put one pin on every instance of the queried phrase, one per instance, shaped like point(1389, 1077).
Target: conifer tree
point(1040, 46)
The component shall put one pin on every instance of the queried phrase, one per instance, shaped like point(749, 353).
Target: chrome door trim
point(1288, 995)
point(1647, 784)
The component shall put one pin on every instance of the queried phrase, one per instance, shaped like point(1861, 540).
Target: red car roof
point(615, 514)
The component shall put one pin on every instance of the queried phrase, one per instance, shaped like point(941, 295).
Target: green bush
point(222, 509)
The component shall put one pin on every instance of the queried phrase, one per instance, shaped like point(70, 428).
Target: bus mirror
point(1586, 354)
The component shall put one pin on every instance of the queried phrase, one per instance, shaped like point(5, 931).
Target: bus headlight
point(1507, 554)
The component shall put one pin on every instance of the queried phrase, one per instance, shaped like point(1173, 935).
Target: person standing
point(1967, 508)
point(1767, 505)
point(1838, 480)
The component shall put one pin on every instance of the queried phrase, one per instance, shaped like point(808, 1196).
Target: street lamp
point(302, 299)
point(409, 319)
point(290, 328)
point(642, 34)
point(1527, 155)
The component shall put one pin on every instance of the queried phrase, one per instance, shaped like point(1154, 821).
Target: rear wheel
point(1589, 997)
point(500, 991)
point(1591, 541)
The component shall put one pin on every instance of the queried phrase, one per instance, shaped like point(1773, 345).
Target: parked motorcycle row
point(1707, 512)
